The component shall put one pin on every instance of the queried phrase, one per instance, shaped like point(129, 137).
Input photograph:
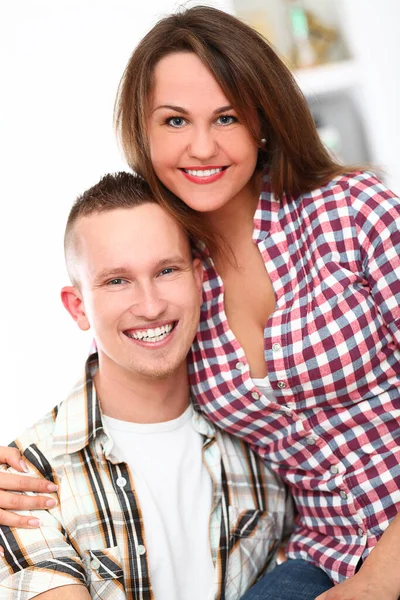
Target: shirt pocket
point(250, 523)
point(252, 549)
point(105, 576)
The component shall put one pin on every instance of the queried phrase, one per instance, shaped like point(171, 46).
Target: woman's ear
point(73, 302)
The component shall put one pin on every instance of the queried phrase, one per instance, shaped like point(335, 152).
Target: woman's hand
point(379, 576)
point(359, 588)
point(21, 483)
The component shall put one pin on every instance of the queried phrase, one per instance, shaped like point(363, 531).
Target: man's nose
point(148, 302)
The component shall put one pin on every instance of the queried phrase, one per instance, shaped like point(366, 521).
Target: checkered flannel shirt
point(95, 535)
point(332, 349)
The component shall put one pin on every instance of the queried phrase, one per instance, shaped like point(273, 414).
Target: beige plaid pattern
point(95, 537)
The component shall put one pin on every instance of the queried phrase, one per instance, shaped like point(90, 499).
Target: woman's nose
point(203, 144)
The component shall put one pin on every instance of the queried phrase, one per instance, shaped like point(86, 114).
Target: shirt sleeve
point(377, 217)
point(38, 560)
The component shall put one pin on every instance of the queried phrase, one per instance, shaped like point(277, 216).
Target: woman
point(298, 347)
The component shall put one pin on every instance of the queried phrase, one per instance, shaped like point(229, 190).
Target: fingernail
point(2, 552)
point(52, 487)
point(34, 522)
point(24, 466)
point(51, 502)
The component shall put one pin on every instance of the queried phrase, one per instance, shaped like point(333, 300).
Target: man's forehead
point(147, 232)
point(147, 215)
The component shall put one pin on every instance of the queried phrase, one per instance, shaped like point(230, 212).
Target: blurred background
point(60, 64)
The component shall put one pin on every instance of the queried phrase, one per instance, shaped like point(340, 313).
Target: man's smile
point(151, 334)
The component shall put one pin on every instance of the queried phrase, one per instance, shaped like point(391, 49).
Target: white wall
point(372, 31)
point(60, 64)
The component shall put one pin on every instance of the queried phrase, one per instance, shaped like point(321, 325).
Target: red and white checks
point(332, 349)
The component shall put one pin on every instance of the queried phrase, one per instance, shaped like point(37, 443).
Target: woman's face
point(199, 148)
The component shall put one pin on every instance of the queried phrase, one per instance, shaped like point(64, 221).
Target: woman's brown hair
point(254, 80)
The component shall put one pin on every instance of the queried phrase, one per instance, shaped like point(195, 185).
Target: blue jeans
point(294, 579)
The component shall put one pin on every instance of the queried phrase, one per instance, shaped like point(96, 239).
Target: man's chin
point(157, 372)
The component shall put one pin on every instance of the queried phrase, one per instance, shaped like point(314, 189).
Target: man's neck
point(142, 400)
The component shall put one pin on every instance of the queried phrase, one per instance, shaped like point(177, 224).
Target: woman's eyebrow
point(184, 111)
point(172, 107)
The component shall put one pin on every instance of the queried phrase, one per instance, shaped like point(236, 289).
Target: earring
point(263, 141)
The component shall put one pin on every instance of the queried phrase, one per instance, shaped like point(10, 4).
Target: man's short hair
point(113, 191)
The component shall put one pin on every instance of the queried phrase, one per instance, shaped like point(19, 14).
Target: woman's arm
point(379, 577)
point(378, 216)
point(9, 500)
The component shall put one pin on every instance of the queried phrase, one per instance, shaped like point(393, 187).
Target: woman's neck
point(234, 222)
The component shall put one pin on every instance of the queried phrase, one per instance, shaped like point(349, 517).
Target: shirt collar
point(79, 419)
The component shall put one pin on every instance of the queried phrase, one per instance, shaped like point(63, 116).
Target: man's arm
point(379, 577)
point(39, 560)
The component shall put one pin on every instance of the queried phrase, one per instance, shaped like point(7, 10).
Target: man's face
point(140, 290)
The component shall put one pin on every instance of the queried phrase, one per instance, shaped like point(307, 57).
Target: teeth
point(203, 172)
point(152, 335)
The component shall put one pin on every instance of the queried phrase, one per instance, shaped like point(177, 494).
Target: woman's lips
point(202, 175)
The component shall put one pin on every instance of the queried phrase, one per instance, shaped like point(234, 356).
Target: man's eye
point(227, 119)
point(176, 122)
point(167, 271)
point(116, 281)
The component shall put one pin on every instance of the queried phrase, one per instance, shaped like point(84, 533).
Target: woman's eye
point(176, 122)
point(226, 120)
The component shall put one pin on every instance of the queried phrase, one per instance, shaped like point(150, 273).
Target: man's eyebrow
point(177, 260)
point(112, 272)
point(123, 271)
point(184, 111)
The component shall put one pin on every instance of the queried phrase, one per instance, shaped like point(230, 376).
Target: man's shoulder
point(40, 434)
point(60, 427)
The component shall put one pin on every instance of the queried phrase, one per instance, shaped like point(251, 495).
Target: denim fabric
point(294, 579)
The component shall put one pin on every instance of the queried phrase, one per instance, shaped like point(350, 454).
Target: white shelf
point(329, 78)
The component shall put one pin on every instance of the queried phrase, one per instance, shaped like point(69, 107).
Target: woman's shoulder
point(353, 192)
point(358, 200)
point(358, 184)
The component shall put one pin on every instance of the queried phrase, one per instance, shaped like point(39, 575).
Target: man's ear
point(73, 302)
point(198, 275)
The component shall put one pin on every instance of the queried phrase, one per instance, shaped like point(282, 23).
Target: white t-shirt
point(264, 385)
point(175, 496)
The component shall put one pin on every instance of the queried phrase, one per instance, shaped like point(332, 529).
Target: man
point(153, 501)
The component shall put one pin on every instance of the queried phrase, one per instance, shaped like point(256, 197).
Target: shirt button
point(121, 482)
point(334, 470)
point(240, 366)
point(343, 495)
point(95, 564)
point(281, 385)
point(255, 395)
point(360, 532)
point(276, 348)
point(141, 550)
point(311, 441)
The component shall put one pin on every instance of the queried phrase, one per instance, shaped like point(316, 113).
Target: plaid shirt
point(95, 535)
point(332, 349)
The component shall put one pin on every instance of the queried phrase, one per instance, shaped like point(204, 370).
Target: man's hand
point(359, 587)
point(21, 483)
